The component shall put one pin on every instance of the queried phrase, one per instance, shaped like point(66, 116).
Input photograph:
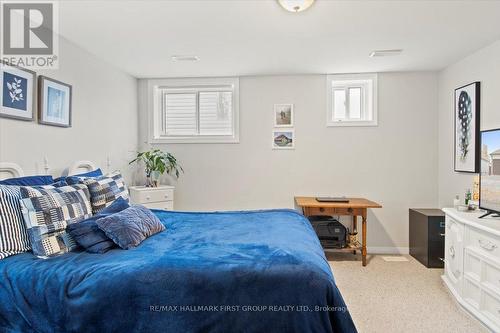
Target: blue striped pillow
point(13, 234)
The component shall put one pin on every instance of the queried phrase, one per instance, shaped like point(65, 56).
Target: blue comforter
point(259, 271)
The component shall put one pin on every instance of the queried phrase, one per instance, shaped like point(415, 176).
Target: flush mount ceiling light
point(295, 5)
point(385, 53)
point(185, 58)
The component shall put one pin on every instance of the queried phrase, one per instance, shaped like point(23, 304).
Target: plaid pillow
point(106, 189)
point(48, 210)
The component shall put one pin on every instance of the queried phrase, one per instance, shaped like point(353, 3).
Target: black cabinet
point(427, 229)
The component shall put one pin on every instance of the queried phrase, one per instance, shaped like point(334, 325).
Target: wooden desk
point(355, 207)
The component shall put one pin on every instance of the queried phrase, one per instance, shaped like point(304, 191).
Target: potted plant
point(156, 163)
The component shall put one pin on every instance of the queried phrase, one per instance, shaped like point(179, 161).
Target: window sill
point(187, 139)
point(352, 123)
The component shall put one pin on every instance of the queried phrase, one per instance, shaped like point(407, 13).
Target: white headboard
point(81, 167)
point(10, 170)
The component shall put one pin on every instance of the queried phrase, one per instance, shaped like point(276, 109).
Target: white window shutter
point(180, 114)
point(216, 116)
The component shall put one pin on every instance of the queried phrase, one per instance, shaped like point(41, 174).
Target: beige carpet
point(398, 296)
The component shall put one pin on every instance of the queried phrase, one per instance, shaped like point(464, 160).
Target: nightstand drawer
point(333, 211)
point(156, 195)
point(166, 205)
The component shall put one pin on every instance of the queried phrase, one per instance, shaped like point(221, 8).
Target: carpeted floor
point(398, 296)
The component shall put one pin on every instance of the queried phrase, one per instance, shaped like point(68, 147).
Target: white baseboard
point(387, 250)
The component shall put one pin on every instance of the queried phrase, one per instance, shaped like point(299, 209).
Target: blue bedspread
point(261, 271)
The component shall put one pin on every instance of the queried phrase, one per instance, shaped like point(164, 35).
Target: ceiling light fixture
point(385, 53)
point(185, 58)
point(295, 5)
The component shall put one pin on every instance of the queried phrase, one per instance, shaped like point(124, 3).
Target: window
point(352, 100)
point(195, 111)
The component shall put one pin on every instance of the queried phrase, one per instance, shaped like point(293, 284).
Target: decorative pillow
point(13, 235)
point(78, 179)
point(131, 226)
point(28, 181)
point(48, 210)
point(88, 235)
point(106, 189)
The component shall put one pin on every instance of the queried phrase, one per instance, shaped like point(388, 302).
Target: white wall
point(484, 66)
point(394, 164)
point(104, 119)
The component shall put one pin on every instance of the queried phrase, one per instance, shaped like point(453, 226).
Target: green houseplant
point(156, 163)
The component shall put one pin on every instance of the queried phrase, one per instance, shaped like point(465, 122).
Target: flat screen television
point(489, 183)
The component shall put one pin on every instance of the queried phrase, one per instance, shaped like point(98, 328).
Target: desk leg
point(354, 227)
point(363, 248)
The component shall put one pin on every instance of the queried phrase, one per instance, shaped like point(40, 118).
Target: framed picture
point(18, 92)
point(467, 128)
point(54, 102)
point(283, 139)
point(283, 115)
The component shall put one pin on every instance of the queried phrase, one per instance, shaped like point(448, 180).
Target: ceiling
point(255, 37)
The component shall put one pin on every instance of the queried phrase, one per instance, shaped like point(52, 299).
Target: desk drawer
point(333, 211)
point(160, 195)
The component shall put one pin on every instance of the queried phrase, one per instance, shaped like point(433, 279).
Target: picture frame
point(17, 98)
point(54, 102)
point(467, 149)
point(283, 139)
point(283, 115)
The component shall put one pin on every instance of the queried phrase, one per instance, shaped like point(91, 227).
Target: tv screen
point(489, 197)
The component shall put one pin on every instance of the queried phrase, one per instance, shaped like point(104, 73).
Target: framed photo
point(18, 92)
point(54, 102)
point(283, 115)
point(467, 128)
point(283, 139)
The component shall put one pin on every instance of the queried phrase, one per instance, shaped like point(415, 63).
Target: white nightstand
point(161, 197)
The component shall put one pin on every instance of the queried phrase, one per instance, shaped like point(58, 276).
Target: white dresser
point(472, 264)
point(161, 197)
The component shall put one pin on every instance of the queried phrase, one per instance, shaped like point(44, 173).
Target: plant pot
point(155, 178)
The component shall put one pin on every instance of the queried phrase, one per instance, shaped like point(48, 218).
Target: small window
point(196, 111)
point(352, 100)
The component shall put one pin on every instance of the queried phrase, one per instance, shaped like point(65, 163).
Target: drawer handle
point(148, 197)
point(321, 209)
point(487, 245)
point(452, 251)
point(166, 196)
point(442, 259)
point(442, 235)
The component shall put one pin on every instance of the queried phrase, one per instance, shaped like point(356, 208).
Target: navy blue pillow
point(28, 181)
point(75, 179)
point(88, 235)
point(131, 226)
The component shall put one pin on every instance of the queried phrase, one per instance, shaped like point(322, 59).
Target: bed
point(252, 271)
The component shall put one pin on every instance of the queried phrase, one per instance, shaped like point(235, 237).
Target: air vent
point(185, 58)
point(385, 53)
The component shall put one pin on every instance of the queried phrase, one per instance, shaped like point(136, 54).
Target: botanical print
point(490, 170)
point(283, 115)
point(14, 91)
point(283, 139)
point(55, 103)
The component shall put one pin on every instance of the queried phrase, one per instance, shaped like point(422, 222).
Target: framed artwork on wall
point(283, 139)
point(54, 102)
point(283, 115)
point(18, 92)
point(467, 128)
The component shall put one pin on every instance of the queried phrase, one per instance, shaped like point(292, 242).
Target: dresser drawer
point(166, 205)
point(472, 293)
point(492, 277)
point(491, 307)
point(483, 242)
point(143, 197)
point(333, 211)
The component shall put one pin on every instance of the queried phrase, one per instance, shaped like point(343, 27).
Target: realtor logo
point(29, 34)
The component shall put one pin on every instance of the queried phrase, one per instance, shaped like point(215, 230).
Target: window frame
point(368, 98)
point(157, 90)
